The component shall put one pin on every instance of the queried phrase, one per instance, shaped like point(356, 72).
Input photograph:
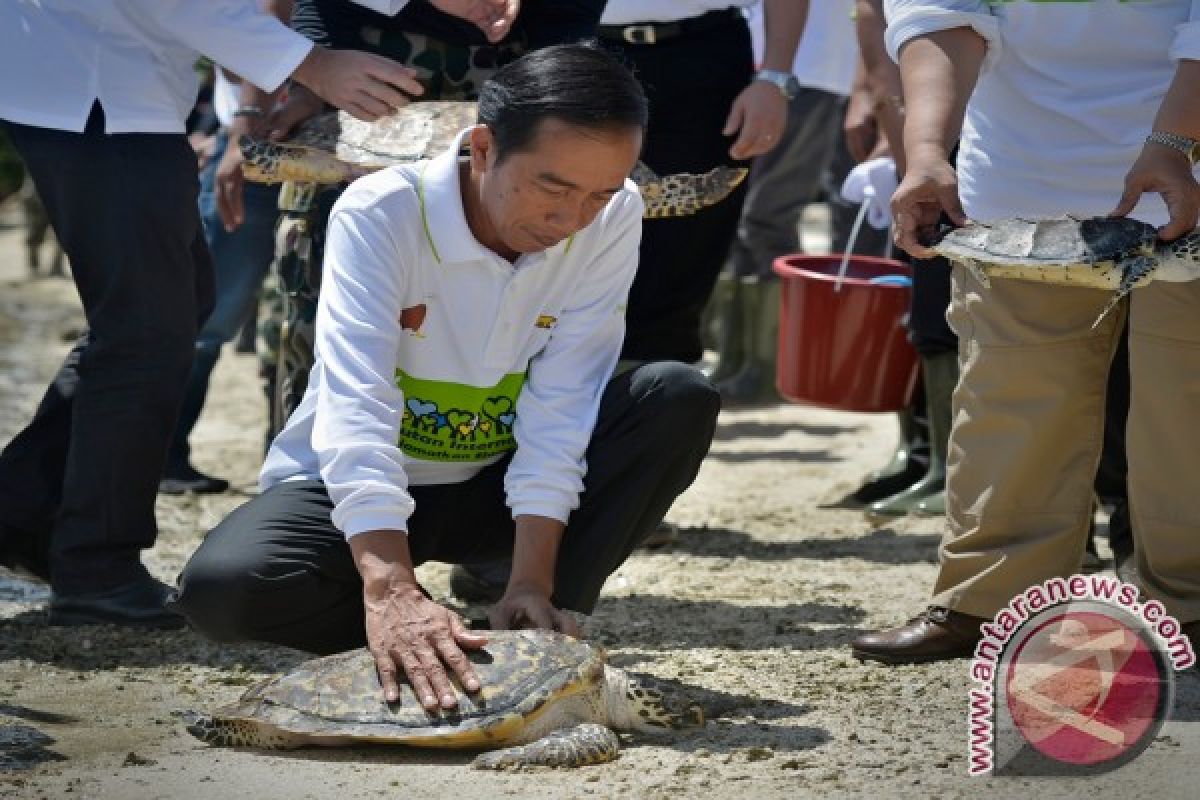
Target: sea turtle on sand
point(1100, 252)
point(334, 148)
point(547, 700)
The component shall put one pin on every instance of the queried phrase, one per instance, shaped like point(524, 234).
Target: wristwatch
point(784, 81)
point(1184, 144)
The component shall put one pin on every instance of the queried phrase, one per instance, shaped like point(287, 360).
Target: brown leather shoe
point(934, 635)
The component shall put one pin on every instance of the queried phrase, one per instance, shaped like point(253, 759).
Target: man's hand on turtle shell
point(493, 17)
point(406, 631)
point(1168, 172)
point(363, 84)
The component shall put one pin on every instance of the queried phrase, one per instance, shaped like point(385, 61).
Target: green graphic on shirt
point(446, 421)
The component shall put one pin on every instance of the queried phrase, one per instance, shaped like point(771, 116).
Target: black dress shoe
point(179, 478)
point(936, 634)
point(141, 604)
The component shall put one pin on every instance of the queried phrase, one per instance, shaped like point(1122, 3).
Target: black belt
point(655, 32)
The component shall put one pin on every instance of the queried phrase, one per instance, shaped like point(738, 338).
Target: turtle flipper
point(1135, 272)
point(237, 733)
point(577, 747)
point(271, 162)
point(683, 193)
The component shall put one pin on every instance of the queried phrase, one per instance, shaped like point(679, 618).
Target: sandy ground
point(750, 613)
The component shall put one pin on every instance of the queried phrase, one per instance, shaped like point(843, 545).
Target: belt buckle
point(639, 34)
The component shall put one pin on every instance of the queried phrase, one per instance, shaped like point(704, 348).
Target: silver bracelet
point(1184, 144)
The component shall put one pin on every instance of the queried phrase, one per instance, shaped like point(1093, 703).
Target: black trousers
point(277, 570)
point(78, 484)
point(691, 82)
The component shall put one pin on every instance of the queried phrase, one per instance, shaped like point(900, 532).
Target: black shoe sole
point(899, 660)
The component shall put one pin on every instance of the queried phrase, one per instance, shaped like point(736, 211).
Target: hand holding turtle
point(1167, 171)
point(758, 117)
point(929, 188)
point(365, 85)
point(493, 17)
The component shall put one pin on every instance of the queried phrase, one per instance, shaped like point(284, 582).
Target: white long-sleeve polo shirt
point(436, 357)
point(1068, 93)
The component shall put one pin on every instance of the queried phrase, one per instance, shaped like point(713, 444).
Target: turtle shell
point(1059, 241)
point(417, 131)
point(522, 673)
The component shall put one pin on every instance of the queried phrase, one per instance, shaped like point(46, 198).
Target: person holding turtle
point(1070, 108)
point(461, 406)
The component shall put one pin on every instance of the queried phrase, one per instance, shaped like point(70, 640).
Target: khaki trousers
point(1028, 429)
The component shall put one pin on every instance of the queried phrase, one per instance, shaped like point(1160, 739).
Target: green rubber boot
point(726, 306)
point(754, 383)
point(909, 463)
point(941, 376)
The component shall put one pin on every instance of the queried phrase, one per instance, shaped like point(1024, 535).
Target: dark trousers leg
point(82, 477)
point(277, 570)
point(691, 83)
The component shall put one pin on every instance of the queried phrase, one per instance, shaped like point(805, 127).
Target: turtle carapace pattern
point(547, 700)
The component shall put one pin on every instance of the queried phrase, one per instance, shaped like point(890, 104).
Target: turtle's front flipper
point(1135, 271)
point(577, 747)
point(221, 732)
point(683, 193)
point(270, 162)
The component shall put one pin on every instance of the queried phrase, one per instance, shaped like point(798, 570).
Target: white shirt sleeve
point(556, 411)
point(236, 34)
point(1186, 44)
point(356, 426)
point(908, 19)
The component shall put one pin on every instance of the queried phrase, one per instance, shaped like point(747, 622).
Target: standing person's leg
point(1163, 444)
point(124, 208)
point(780, 184)
point(690, 83)
point(240, 260)
point(1028, 422)
point(783, 181)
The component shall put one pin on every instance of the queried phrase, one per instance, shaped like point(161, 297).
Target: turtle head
point(647, 706)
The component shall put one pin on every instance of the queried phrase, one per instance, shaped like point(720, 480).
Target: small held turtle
point(547, 700)
point(1100, 252)
point(335, 148)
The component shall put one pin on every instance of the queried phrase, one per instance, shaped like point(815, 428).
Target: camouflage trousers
point(288, 307)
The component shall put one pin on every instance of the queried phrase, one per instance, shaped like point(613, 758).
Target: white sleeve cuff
point(1186, 45)
point(353, 522)
point(542, 508)
point(921, 21)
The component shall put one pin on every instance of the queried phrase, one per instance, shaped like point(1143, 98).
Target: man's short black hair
point(579, 84)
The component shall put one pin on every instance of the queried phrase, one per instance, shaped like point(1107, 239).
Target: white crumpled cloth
point(873, 183)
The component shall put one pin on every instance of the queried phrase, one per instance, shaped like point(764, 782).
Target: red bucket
point(846, 349)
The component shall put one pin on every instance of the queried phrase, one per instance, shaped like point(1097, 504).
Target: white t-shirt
point(436, 357)
point(1067, 96)
point(828, 51)
point(625, 12)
